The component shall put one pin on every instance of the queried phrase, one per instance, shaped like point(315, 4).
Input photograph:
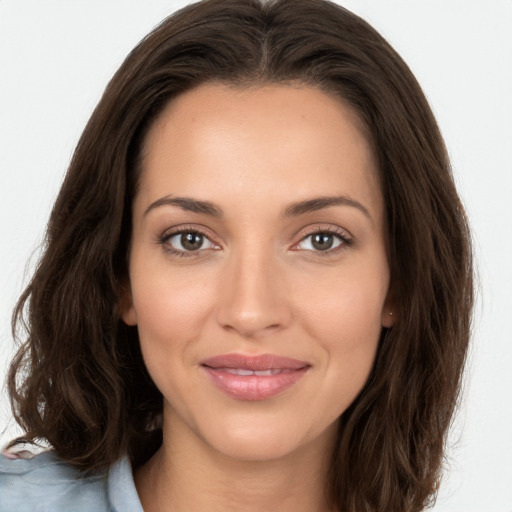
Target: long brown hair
point(78, 379)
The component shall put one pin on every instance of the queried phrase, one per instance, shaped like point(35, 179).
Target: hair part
point(79, 379)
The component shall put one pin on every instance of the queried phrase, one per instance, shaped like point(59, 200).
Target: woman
point(257, 285)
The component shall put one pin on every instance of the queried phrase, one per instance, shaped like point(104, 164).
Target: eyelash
point(344, 238)
point(345, 241)
point(163, 241)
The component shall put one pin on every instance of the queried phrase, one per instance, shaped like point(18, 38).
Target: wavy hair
point(78, 379)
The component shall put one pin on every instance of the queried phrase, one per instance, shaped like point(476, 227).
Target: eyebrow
point(319, 203)
point(293, 210)
point(187, 204)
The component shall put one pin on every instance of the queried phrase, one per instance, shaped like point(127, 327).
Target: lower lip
point(253, 387)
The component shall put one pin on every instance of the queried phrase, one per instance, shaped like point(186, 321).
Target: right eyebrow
point(187, 204)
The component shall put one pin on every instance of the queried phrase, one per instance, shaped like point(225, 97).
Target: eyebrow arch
point(319, 203)
point(187, 204)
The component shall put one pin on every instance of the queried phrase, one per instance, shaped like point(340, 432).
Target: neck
point(187, 476)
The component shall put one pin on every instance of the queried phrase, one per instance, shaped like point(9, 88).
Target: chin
point(253, 441)
point(245, 450)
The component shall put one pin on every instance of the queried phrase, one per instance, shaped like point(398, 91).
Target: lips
point(253, 377)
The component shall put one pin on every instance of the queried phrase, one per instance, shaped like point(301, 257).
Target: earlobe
point(388, 318)
point(128, 314)
point(129, 317)
point(390, 311)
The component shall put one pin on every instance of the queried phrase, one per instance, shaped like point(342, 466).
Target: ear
point(389, 312)
point(388, 318)
point(128, 313)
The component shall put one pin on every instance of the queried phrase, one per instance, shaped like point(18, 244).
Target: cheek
point(346, 305)
point(170, 307)
point(344, 317)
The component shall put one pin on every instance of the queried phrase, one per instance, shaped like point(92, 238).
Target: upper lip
point(255, 363)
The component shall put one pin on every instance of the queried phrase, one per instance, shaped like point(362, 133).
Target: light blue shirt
point(47, 484)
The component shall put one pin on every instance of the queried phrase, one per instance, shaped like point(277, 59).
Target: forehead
point(270, 142)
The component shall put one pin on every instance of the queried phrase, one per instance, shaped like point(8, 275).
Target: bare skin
point(296, 483)
point(258, 229)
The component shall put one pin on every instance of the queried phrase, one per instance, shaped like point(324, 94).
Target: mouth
point(253, 377)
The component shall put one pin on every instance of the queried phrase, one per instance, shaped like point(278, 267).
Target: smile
point(253, 377)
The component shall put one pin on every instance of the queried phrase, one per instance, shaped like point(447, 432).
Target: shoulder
point(45, 483)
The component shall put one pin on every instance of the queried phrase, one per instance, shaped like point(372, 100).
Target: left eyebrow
point(319, 203)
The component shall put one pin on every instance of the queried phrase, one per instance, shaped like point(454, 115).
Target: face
point(258, 270)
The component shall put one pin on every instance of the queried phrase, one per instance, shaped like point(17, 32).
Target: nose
point(253, 299)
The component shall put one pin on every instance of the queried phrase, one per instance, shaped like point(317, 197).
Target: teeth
point(262, 373)
point(245, 373)
point(239, 371)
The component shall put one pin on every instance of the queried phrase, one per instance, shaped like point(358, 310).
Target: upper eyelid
point(170, 232)
point(333, 230)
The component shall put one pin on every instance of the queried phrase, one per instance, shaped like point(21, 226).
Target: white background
point(56, 57)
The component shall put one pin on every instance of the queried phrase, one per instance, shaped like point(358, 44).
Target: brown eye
point(189, 241)
point(322, 241)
